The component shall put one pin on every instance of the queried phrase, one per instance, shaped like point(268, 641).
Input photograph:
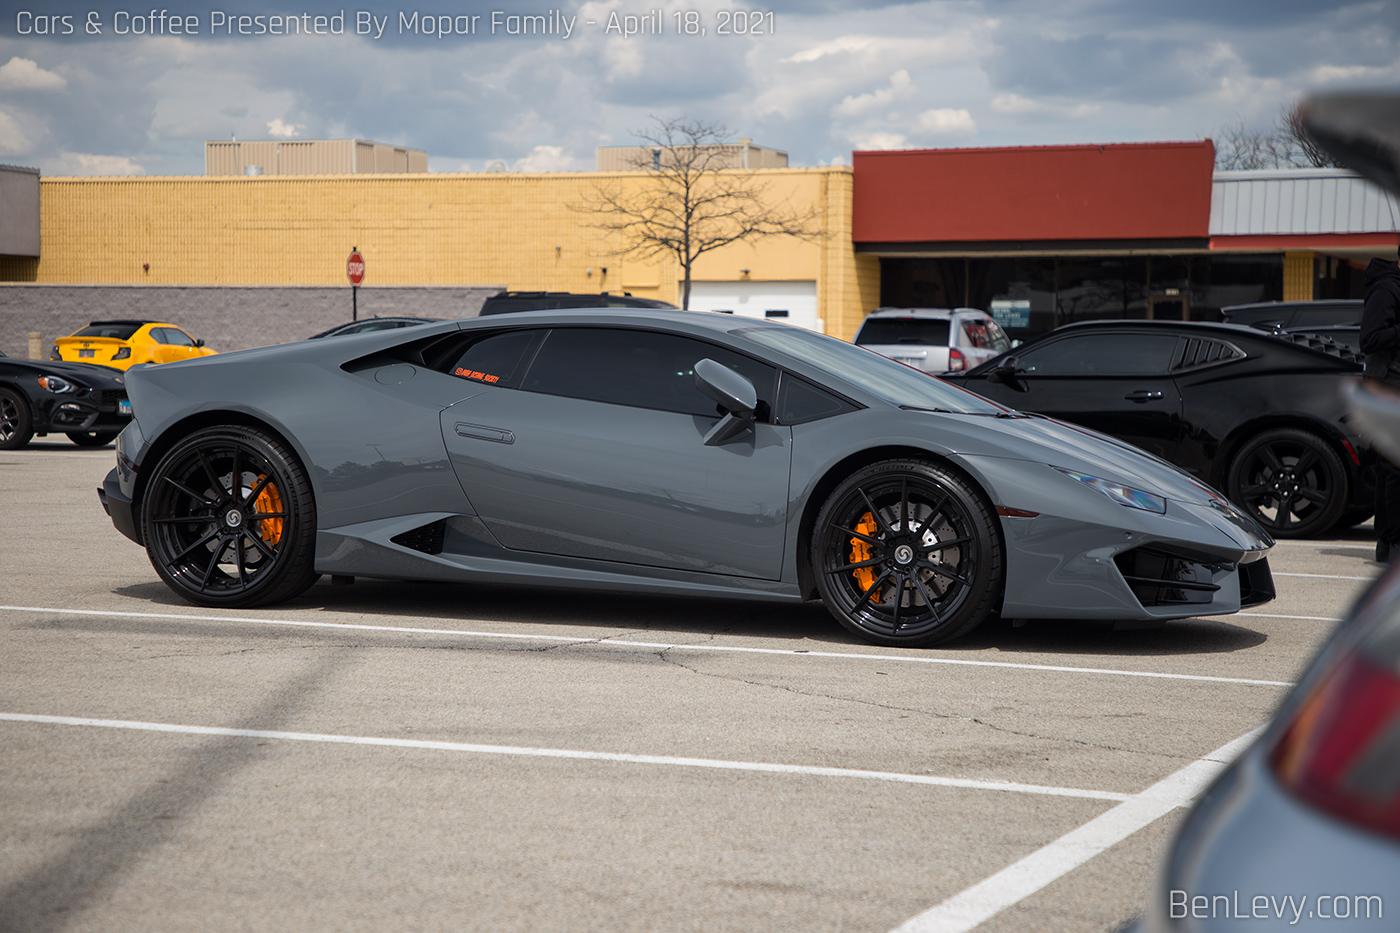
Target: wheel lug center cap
point(233, 518)
point(904, 554)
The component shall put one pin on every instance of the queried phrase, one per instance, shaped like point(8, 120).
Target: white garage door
point(790, 302)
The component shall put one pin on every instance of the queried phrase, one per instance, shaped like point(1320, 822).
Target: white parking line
point(1274, 615)
point(1324, 576)
point(1020, 880)
point(1327, 544)
point(714, 763)
point(665, 646)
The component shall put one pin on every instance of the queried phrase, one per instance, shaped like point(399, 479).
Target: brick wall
point(225, 317)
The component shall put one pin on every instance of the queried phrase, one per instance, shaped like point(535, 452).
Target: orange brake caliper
point(860, 552)
point(269, 500)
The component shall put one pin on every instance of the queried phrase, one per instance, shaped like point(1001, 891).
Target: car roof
point(1217, 327)
point(715, 321)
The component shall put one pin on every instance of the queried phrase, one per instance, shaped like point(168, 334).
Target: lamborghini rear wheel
point(228, 519)
point(907, 554)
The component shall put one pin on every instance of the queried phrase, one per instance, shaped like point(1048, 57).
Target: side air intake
point(427, 538)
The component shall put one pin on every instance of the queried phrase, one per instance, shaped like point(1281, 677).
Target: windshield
point(880, 376)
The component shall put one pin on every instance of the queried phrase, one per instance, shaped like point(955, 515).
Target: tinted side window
point(176, 337)
point(158, 335)
point(1112, 354)
point(799, 402)
point(643, 369)
point(499, 359)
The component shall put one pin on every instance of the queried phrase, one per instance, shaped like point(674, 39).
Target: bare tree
point(1240, 148)
point(695, 202)
point(1293, 125)
point(1287, 144)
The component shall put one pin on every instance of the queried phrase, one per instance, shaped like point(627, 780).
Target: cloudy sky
point(91, 87)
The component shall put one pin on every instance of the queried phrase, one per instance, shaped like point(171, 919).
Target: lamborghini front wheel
point(229, 520)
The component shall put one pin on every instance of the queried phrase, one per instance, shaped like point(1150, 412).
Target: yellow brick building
point(527, 231)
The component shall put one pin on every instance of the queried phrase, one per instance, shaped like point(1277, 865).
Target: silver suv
point(936, 340)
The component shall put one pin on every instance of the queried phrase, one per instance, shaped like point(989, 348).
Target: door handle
point(1144, 395)
point(484, 432)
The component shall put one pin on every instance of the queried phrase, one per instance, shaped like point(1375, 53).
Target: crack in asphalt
point(934, 714)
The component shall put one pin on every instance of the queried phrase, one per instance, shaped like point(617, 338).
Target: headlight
point(1123, 495)
point(57, 384)
point(122, 354)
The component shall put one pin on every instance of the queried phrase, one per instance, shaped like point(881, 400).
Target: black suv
point(506, 302)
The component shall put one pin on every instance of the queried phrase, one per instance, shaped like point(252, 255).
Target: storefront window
point(1032, 295)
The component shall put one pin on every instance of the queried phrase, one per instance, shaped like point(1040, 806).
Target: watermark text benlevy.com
point(1289, 908)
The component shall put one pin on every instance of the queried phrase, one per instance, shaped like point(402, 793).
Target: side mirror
point(199, 342)
point(1005, 373)
point(733, 393)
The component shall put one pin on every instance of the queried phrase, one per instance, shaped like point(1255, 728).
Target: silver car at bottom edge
point(1302, 831)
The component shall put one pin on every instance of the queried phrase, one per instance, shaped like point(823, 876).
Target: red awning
point(1127, 192)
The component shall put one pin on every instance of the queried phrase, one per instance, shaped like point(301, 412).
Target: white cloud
point(23, 74)
point(834, 47)
point(1015, 105)
point(284, 130)
point(1326, 74)
point(946, 121)
point(901, 88)
point(547, 159)
point(12, 138)
point(82, 163)
point(877, 139)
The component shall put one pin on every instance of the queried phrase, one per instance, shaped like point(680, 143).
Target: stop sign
point(355, 267)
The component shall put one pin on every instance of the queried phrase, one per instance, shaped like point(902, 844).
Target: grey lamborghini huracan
point(669, 452)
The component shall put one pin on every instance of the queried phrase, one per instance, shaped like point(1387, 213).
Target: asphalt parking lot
point(425, 756)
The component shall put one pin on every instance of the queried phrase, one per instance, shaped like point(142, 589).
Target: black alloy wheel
point(907, 555)
point(228, 519)
point(92, 438)
point(1290, 481)
point(16, 422)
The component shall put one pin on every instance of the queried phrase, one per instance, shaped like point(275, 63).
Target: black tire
point(1290, 481)
point(92, 438)
point(16, 420)
point(907, 555)
point(194, 525)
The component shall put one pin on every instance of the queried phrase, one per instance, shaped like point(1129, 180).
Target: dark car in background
point(1295, 315)
point(369, 325)
point(507, 302)
point(1256, 415)
point(1338, 320)
point(86, 402)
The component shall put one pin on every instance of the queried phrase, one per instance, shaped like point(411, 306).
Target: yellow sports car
point(122, 344)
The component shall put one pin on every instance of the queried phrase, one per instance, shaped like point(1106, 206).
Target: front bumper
point(92, 410)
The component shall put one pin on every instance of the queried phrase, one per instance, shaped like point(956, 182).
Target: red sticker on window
point(473, 374)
